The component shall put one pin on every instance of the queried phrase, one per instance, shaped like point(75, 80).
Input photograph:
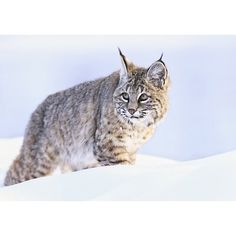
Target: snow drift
point(152, 178)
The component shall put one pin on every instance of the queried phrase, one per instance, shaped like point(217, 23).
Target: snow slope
point(152, 178)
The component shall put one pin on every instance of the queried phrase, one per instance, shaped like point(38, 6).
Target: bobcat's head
point(141, 95)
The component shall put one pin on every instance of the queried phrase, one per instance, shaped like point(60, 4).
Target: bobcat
point(96, 123)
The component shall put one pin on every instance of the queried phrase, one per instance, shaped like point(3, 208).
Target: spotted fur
point(96, 123)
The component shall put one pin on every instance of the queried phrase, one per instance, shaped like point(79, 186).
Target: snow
point(151, 178)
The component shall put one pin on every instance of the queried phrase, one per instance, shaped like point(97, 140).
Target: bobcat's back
point(61, 132)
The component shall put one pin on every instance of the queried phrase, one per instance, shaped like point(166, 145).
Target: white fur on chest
point(79, 156)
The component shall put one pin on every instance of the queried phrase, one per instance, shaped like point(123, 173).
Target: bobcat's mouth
point(139, 115)
point(135, 117)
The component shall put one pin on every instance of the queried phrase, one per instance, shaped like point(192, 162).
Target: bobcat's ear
point(157, 73)
point(124, 63)
point(126, 67)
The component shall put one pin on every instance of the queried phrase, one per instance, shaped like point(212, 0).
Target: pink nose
point(131, 111)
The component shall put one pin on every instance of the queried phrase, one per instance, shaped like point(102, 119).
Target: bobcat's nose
point(131, 111)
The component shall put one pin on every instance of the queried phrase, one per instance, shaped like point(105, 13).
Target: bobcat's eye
point(143, 97)
point(125, 96)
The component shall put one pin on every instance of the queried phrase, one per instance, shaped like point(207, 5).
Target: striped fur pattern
point(96, 123)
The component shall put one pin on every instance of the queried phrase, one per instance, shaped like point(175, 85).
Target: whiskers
point(131, 119)
point(143, 113)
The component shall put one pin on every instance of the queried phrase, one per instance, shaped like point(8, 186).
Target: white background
point(202, 114)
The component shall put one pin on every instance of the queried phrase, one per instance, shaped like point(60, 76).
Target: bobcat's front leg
point(111, 152)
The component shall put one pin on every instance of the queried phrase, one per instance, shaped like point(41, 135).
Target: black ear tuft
point(160, 59)
point(124, 61)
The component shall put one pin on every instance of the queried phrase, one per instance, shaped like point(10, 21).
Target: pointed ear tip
point(119, 51)
point(161, 56)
